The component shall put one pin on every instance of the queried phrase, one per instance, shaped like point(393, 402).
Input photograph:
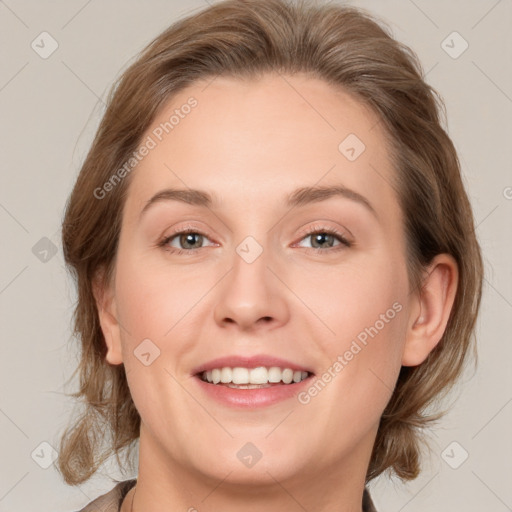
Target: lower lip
point(252, 398)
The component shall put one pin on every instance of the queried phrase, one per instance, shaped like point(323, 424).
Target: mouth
point(253, 378)
point(251, 382)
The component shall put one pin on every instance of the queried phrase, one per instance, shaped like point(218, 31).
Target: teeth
point(287, 375)
point(216, 376)
point(258, 375)
point(240, 376)
point(249, 378)
point(274, 374)
point(226, 375)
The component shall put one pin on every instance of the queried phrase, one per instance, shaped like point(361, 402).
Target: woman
point(276, 265)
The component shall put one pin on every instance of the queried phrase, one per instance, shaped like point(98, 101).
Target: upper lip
point(249, 362)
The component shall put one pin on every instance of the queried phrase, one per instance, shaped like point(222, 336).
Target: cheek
point(352, 300)
point(155, 304)
point(364, 309)
point(152, 300)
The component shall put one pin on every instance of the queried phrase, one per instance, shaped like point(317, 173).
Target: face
point(297, 261)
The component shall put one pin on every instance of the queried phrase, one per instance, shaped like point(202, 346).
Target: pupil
point(189, 238)
point(321, 236)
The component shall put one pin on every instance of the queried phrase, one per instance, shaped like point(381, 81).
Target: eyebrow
point(299, 197)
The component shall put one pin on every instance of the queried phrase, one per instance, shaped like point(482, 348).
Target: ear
point(104, 296)
point(431, 310)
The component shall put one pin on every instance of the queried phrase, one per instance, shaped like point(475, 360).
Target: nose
point(252, 296)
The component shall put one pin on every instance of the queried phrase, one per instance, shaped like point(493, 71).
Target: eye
point(190, 239)
point(323, 239)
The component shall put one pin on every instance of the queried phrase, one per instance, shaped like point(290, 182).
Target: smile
point(251, 378)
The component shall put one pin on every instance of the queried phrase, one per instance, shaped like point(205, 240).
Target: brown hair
point(345, 47)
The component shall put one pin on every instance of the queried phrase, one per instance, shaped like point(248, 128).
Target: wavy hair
point(350, 49)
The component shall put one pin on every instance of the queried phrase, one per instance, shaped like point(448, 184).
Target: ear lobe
point(434, 305)
point(105, 302)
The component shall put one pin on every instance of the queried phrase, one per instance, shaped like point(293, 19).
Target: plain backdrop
point(50, 108)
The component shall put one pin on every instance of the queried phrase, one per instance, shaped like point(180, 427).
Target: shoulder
point(368, 505)
point(111, 501)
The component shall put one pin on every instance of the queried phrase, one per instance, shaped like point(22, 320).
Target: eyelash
point(328, 231)
point(312, 231)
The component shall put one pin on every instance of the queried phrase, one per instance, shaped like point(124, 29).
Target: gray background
point(50, 109)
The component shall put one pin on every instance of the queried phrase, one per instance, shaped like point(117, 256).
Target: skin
point(252, 143)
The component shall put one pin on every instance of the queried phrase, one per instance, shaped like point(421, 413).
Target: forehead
point(252, 141)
